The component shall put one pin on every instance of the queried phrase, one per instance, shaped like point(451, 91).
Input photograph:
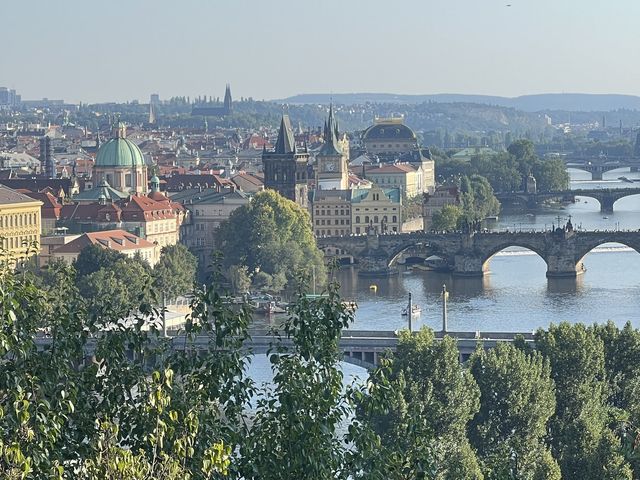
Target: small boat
point(415, 310)
point(605, 218)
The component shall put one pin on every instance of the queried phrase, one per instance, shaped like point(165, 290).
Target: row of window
point(328, 212)
point(213, 212)
point(333, 232)
point(342, 222)
point(389, 145)
point(22, 242)
point(18, 220)
point(375, 209)
point(375, 219)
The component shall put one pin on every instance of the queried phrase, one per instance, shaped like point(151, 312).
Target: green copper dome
point(119, 152)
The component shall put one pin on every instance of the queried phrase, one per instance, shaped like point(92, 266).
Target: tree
point(580, 437)
point(175, 272)
point(622, 366)
point(240, 279)
point(294, 432)
point(517, 399)
point(447, 218)
point(112, 417)
point(93, 258)
point(522, 150)
point(429, 399)
point(116, 290)
point(272, 235)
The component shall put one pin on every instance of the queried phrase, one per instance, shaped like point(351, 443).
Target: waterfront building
point(376, 209)
point(120, 241)
point(285, 167)
point(432, 203)
point(331, 212)
point(20, 220)
point(356, 211)
point(408, 178)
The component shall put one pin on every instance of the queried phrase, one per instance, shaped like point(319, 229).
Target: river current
point(516, 295)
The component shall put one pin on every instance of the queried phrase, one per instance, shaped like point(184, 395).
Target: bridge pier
point(596, 175)
point(375, 266)
point(606, 204)
point(564, 266)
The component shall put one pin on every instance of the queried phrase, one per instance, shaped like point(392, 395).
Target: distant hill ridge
point(578, 102)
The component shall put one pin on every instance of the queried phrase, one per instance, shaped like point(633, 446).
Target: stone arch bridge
point(469, 254)
point(605, 196)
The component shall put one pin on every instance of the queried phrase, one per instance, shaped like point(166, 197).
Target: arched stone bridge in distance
point(469, 254)
point(606, 196)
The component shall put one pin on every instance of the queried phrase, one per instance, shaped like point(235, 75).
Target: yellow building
point(20, 221)
point(377, 209)
point(345, 212)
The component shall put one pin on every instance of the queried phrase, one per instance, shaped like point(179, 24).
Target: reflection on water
point(516, 295)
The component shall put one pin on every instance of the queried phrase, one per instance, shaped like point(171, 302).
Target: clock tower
point(332, 171)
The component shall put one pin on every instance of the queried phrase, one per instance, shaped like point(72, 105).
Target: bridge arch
point(589, 247)
point(428, 249)
point(486, 260)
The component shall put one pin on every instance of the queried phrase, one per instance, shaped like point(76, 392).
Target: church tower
point(227, 100)
point(332, 170)
point(285, 167)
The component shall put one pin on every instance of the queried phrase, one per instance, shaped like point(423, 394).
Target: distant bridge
point(597, 166)
point(364, 348)
point(605, 196)
point(469, 254)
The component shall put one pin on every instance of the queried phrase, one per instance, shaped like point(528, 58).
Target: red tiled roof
point(118, 240)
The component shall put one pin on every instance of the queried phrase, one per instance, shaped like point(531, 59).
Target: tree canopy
point(272, 235)
point(507, 171)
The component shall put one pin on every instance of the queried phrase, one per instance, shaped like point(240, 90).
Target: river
point(516, 295)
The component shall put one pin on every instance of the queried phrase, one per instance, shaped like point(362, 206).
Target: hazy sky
point(114, 50)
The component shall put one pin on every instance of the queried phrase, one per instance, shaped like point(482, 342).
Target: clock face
point(330, 167)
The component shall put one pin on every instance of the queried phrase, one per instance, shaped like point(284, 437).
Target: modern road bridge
point(364, 348)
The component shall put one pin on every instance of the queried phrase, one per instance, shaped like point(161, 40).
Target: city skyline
point(83, 52)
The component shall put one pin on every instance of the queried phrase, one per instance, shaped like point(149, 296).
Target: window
point(375, 219)
point(127, 180)
point(357, 218)
point(357, 229)
point(317, 222)
point(394, 219)
point(335, 221)
point(366, 219)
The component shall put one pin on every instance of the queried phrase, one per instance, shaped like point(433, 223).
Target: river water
point(516, 296)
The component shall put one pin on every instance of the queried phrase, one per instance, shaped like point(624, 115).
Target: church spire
point(331, 145)
point(286, 141)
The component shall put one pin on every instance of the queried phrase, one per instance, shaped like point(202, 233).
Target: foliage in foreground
point(135, 409)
